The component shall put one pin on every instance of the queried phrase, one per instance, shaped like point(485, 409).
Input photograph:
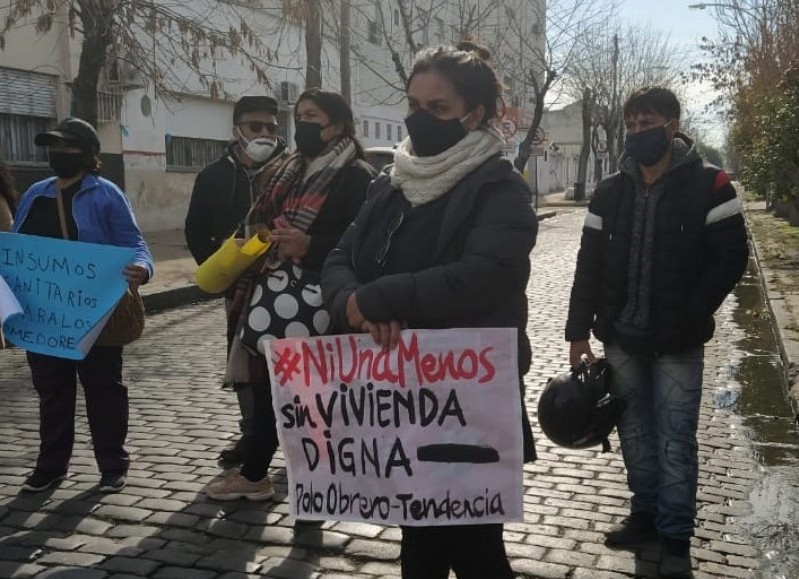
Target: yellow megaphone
point(223, 268)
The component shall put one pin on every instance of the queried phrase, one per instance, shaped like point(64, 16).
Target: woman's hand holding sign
point(385, 334)
point(136, 275)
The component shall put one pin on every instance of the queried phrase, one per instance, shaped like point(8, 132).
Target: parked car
point(380, 157)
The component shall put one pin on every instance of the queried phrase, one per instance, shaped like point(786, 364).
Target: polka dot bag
point(286, 303)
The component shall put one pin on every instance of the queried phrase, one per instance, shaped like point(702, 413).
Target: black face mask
point(308, 138)
point(67, 165)
point(432, 136)
point(648, 147)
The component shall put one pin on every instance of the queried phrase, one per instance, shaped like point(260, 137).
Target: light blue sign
point(56, 295)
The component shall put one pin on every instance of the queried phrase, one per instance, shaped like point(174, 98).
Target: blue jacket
point(102, 213)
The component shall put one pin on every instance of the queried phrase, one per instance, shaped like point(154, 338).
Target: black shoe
point(235, 454)
point(41, 480)
point(113, 481)
point(675, 562)
point(633, 532)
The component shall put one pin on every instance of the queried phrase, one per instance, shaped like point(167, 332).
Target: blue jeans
point(658, 433)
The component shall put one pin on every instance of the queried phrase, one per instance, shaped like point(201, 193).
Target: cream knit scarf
point(425, 179)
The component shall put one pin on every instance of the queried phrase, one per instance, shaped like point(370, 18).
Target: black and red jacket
point(699, 251)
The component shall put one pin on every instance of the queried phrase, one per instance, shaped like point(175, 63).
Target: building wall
point(159, 195)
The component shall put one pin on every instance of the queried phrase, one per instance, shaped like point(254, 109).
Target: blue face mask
point(648, 147)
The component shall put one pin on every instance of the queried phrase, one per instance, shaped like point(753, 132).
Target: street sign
point(540, 136)
point(508, 128)
point(537, 151)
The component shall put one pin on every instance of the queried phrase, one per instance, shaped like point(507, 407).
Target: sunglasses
point(258, 126)
point(382, 250)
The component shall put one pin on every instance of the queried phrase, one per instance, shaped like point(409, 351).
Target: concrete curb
point(787, 339)
point(546, 215)
point(175, 298)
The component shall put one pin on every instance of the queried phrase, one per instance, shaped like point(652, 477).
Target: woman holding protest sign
point(303, 211)
point(78, 204)
point(443, 242)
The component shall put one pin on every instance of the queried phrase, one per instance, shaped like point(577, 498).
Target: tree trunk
point(97, 37)
point(344, 52)
point(313, 45)
point(526, 147)
point(538, 113)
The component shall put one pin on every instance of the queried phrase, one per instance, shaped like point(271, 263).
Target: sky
point(686, 28)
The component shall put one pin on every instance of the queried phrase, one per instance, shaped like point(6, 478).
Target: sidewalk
point(776, 250)
point(173, 284)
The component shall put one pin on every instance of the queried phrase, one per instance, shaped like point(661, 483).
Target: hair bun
point(469, 46)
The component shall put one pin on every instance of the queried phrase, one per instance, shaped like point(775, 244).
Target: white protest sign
point(428, 433)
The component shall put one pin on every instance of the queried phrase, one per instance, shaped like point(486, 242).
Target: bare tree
point(542, 62)
point(418, 27)
point(610, 64)
point(162, 40)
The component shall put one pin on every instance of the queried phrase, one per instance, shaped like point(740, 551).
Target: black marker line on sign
point(457, 453)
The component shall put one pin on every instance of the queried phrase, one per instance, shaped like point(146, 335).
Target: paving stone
point(376, 550)
point(540, 569)
point(92, 526)
point(72, 573)
point(136, 566)
point(288, 569)
point(11, 570)
point(70, 559)
point(728, 571)
point(124, 531)
point(132, 514)
point(183, 573)
point(112, 549)
point(172, 556)
point(18, 553)
point(229, 561)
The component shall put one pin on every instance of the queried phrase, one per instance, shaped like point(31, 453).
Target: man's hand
point(136, 275)
point(292, 243)
point(576, 352)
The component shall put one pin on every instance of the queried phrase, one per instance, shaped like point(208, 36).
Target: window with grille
point(366, 129)
point(388, 131)
point(27, 107)
point(16, 138)
point(189, 154)
point(377, 130)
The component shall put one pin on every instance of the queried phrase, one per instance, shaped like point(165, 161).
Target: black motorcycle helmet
point(576, 409)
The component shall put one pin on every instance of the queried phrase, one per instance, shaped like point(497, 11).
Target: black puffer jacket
point(223, 193)
point(474, 274)
point(698, 254)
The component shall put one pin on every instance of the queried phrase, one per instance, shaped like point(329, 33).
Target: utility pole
point(344, 52)
point(313, 45)
point(614, 140)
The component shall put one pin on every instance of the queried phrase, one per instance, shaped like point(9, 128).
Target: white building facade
point(155, 145)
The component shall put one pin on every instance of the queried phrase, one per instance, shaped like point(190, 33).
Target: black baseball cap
point(254, 104)
point(73, 131)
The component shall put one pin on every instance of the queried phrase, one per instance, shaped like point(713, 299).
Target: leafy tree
point(162, 39)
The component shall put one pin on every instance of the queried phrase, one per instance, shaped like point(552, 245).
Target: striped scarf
point(296, 193)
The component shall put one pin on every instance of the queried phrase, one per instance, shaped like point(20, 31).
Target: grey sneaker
point(634, 532)
point(236, 486)
point(113, 481)
point(675, 563)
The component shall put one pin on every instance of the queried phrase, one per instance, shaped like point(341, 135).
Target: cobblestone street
point(163, 526)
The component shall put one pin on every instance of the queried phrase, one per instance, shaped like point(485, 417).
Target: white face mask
point(258, 150)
